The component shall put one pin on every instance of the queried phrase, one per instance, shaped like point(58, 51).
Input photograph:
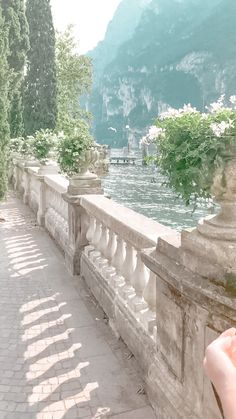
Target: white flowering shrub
point(191, 145)
point(153, 134)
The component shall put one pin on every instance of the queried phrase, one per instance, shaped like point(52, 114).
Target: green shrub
point(72, 147)
point(192, 145)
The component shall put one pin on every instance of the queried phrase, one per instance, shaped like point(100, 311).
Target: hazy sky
point(89, 16)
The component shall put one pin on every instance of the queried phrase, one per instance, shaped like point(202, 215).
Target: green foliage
point(40, 98)
point(74, 78)
point(192, 145)
point(4, 126)
point(18, 42)
point(15, 144)
point(23, 146)
point(72, 146)
point(43, 143)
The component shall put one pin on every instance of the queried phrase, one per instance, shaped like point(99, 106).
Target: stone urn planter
point(48, 167)
point(213, 242)
point(223, 225)
point(85, 182)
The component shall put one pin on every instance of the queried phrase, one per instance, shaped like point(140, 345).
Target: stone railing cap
point(57, 182)
point(136, 229)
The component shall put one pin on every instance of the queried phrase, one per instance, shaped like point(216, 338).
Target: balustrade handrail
point(57, 182)
point(141, 232)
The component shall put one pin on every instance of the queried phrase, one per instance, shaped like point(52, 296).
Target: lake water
point(134, 187)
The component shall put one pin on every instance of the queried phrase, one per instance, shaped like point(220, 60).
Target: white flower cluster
point(177, 113)
point(220, 104)
point(216, 106)
point(232, 100)
point(154, 133)
point(220, 128)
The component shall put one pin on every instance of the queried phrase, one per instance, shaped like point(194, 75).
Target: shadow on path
point(58, 358)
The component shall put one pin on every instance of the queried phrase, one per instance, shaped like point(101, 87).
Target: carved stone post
point(82, 184)
point(27, 179)
point(16, 177)
point(42, 201)
point(43, 171)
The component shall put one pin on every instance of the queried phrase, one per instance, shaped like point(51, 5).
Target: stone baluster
point(149, 315)
point(96, 241)
point(127, 270)
point(102, 261)
point(139, 281)
point(111, 246)
point(117, 262)
point(90, 235)
point(108, 271)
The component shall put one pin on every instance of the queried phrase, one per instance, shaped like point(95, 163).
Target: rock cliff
point(160, 53)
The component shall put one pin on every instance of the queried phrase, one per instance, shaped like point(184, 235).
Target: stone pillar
point(42, 202)
point(16, 177)
point(85, 184)
point(27, 179)
point(47, 169)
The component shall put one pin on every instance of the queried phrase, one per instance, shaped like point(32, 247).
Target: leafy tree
point(40, 99)
point(74, 77)
point(4, 126)
point(18, 41)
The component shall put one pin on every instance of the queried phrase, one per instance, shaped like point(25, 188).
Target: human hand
point(220, 366)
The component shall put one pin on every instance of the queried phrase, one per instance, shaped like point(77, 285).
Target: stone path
point(58, 356)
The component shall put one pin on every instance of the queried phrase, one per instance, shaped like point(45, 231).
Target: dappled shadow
point(54, 356)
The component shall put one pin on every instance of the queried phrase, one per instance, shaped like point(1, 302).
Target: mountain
point(119, 30)
point(175, 52)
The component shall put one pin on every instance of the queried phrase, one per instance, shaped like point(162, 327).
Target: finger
point(233, 342)
point(219, 354)
point(228, 332)
point(222, 343)
point(233, 350)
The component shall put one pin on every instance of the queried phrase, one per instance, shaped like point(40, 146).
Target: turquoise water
point(141, 189)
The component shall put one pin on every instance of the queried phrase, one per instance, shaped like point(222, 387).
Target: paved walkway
point(58, 357)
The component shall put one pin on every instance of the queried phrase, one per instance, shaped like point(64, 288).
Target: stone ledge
point(141, 232)
point(57, 182)
point(193, 286)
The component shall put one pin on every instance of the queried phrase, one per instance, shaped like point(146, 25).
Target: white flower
point(178, 113)
point(216, 106)
point(232, 99)
point(219, 129)
point(144, 141)
point(188, 109)
point(170, 113)
point(154, 134)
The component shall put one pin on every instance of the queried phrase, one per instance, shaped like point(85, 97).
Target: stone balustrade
point(44, 194)
point(113, 260)
point(157, 287)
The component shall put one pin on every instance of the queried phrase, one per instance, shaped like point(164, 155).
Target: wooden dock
point(123, 160)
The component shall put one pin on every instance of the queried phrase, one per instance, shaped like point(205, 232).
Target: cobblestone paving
point(58, 357)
